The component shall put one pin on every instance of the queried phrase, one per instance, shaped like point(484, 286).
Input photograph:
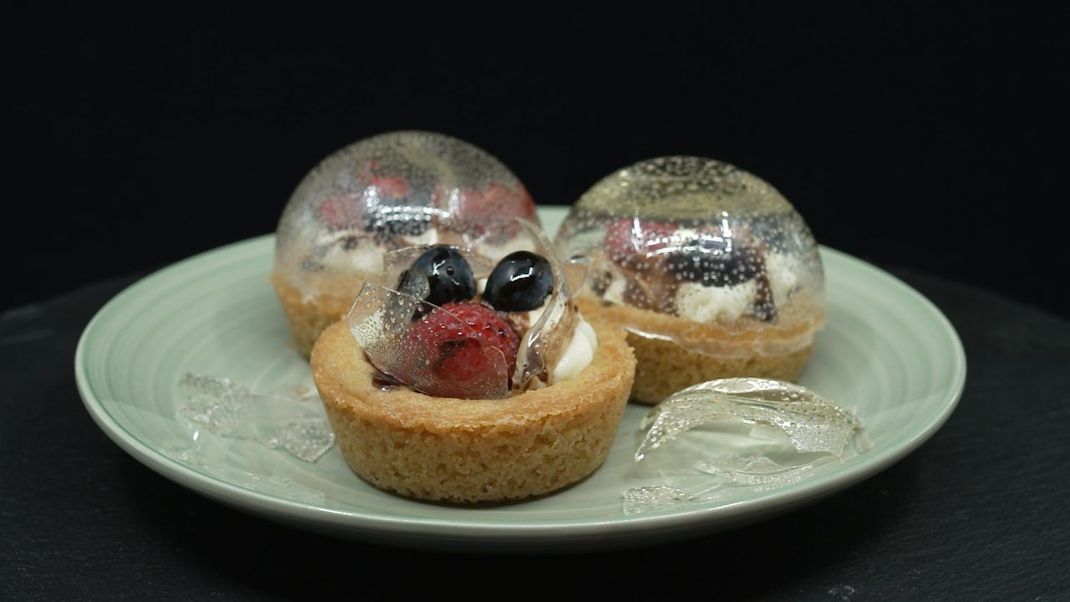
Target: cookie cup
point(670, 361)
point(310, 314)
point(472, 450)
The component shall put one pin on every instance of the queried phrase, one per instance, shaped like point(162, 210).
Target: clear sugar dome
point(696, 239)
point(389, 192)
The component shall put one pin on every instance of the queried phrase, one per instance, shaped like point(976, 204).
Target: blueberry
point(714, 262)
point(439, 275)
point(520, 282)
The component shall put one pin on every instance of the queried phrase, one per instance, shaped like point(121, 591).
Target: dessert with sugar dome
point(380, 194)
point(471, 378)
point(711, 270)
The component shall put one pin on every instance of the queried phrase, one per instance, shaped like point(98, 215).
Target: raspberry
point(491, 209)
point(389, 187)
point(456, 339)
point(637, 244)
point(340, 212)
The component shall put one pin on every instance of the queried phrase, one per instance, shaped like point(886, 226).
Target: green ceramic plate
point(886, 352)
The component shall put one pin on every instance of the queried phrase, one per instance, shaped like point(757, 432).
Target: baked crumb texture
point(472, 451)
point(665, 367)
point(309, 317)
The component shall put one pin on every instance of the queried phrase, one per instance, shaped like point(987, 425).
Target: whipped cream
point(429, 237)
point(783, 271)
point(496, 252)
point(578, 355)
point(580, 351)
point(366, 258)
point(708, 303)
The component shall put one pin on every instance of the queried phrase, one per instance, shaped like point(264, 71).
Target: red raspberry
point(389, 187)
point(491, 209)
point(636, 244)
point(457, 338)
point(340, 212)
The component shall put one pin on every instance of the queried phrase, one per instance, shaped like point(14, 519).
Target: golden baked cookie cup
point(665, 366)
point(308, 316)
point(473, 450)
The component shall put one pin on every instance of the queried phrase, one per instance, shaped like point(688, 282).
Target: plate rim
point(314, 516)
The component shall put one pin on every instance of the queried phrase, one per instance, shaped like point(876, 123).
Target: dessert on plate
point(472, 379)
point(380, 194)
point(712, 271)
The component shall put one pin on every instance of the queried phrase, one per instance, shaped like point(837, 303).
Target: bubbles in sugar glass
point(226, 409)
point(388, 192)
point(550, 333)
point(382, 322)
point(697, 239)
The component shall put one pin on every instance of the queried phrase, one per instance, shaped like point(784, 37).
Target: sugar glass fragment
point(550, 333)
point(227, 409)
point(812, 423)
point(739, 433)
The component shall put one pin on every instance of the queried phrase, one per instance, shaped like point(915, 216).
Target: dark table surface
point(978, 512)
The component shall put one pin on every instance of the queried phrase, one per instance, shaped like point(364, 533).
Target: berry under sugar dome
point(711, 270)
point(380, 194)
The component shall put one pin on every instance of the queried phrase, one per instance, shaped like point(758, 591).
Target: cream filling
point(709, 303)
point(783, 271)
point(497, 252)
point(580, 351)
point(578, 355)
point(367, 257)
point(728, 303)
point(429, 237)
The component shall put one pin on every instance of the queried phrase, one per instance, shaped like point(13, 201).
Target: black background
point(907, 134)
point(930, 140)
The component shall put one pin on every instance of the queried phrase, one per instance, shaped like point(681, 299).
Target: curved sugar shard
point(550, 333)
point(576, 269)
point(761, 434)
point(381, 321)
point(810, 422)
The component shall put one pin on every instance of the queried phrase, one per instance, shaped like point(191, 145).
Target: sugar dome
point(711, 269)
point(380, 194)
